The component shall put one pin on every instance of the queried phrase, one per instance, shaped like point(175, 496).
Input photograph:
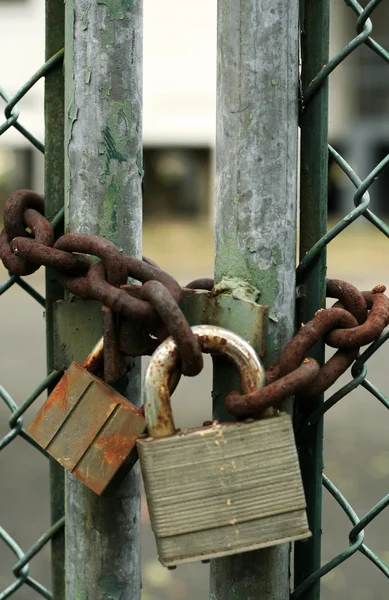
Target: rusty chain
point(27, 242)
point(355, 320)
point(364, 319)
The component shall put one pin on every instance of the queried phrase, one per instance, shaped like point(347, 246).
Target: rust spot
point(93, 363)
point(116, 447)
point(59, 395)
point(57, 401)
point(378, 289)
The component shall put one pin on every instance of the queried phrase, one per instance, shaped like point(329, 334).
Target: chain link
point(357, 319)
point(27, 242)
point(364, 320)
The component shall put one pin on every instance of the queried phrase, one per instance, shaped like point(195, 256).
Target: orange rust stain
point(116, 447)
point(59, 395)
point(58, 399)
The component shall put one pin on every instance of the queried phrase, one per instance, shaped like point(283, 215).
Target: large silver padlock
point(220, 489)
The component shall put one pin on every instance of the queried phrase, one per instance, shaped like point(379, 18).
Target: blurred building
point(359, 107)
point(180, 98)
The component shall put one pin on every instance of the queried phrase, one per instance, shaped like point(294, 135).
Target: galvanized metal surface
point(89, 429)
point(103, 144)
point(223, 489)
point(256, 199)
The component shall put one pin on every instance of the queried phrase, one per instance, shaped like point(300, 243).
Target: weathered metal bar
point(54, 199)
point(313, 225)
point(103, 172)
point(256, 181)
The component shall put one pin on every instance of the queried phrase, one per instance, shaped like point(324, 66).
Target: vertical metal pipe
point(103, 173)
point(313, 225)
point(256, 187)
point(54, 199)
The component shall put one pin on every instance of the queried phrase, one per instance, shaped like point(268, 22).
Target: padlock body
point(90, 429)
point(223, 489)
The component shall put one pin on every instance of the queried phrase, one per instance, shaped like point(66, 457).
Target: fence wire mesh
point(21, 568)
point(361, 200)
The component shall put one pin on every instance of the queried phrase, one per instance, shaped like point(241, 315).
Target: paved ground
point(356, 454)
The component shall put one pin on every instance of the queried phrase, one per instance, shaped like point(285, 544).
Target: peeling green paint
point(105, 90)
point(117, 9)
point(108, 222)
point(241, 196)
point(72, 117)
point(252, 245)
point(232, 260)
point(107, 37)
point(72, 109)
point(84, 46)
point(80, 594)
point(103, 197)
point(237, 288)
point(108, 149)
point(115, 138)
point(85, 18)
point(139, 163)
point(111, 587)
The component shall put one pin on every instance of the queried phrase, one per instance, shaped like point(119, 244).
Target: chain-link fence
point(21, 568)
point(309, 574)
point(312, 573)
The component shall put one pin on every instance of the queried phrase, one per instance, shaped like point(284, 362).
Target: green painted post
point(54, 199)
point(103, 172)
point(256, 189)
point(313, 225)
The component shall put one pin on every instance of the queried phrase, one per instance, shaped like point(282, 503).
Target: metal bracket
point(72, 318)
point(202, 307)
point(75, 319)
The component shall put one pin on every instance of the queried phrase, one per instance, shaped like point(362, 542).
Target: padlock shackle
point(94, 360)
point(213, 340)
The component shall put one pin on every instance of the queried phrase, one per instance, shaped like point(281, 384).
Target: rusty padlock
point(220, 489)
point(88, 427)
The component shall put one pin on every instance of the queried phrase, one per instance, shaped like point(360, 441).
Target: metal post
point(54, 199)
point(313, 225)
point(103, 172)
point(256, 181)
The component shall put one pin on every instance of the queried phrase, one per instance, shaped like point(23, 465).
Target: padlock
point(89, 428)
point(220, 489)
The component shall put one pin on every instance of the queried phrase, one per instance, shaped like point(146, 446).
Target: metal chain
point(27, 242)
point(357, 319)
point(364, 320)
